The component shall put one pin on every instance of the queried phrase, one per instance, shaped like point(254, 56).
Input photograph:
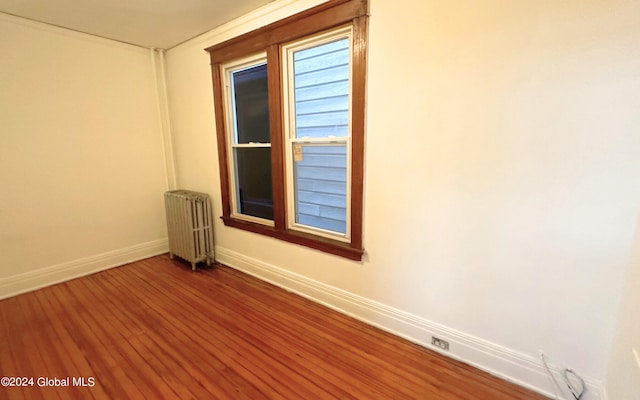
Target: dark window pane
point(253, 182)
point(251, 104)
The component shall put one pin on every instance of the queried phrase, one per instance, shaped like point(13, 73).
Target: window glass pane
point(251, 104)
point(320, 180)
point(253, 181)
point(321, 89)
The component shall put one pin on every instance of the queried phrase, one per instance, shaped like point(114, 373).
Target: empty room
point(316, 199)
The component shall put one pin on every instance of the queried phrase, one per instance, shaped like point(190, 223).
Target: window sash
point(234, 147)
point(293, 140)
point(294, 184)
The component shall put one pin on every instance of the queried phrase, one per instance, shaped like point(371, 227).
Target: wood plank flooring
point(156, 330)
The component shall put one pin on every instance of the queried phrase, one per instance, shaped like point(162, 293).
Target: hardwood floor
point(156, 330)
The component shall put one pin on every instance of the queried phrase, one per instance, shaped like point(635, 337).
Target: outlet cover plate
point(440, 343)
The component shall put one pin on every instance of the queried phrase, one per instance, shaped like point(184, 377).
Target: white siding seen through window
point(320, 139)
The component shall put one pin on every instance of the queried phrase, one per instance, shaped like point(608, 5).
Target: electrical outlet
point(443, 344)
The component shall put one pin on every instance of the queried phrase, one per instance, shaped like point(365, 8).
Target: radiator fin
point(190, 226)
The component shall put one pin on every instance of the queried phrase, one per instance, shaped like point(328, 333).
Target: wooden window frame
point(316, 20)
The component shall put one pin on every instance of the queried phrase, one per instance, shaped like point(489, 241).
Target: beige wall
point(522, 120)
point(501, 176)
point(502, 167)
point(623, 375)
point(501, 190)
point(81, 162)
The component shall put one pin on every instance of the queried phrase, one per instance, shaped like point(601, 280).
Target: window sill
point(308, 240)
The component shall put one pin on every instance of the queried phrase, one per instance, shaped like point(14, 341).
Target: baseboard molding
point(47, 276)
point(603, 393)
point(517, 367)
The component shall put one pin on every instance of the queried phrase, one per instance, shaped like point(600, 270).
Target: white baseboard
point(603, 393)
point(40, 278)
point(514, 366)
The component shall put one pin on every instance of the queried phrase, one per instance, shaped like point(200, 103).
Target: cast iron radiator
point(190, 227)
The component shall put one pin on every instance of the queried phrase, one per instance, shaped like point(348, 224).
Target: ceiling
point(148, 23)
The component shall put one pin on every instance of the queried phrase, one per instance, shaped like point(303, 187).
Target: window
point(245, 84)
point(289, 102)
point(317, 135)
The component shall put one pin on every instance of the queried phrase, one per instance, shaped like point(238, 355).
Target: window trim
point(315, 21)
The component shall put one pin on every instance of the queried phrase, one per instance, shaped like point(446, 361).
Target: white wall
point(501, 177)
point(81, 161)
point(623, 376)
